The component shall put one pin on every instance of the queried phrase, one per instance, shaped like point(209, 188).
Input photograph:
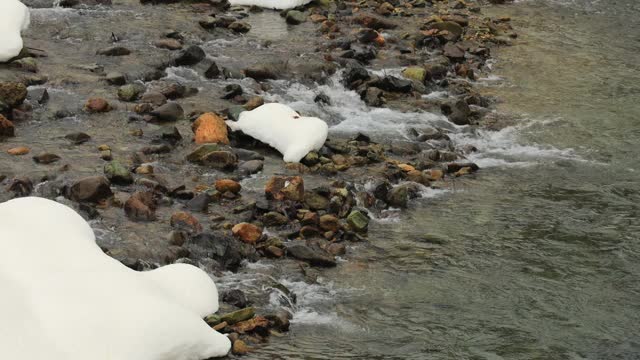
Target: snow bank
point(270, 4)
point(14, 17)
point(64, 299)
point(284, 129)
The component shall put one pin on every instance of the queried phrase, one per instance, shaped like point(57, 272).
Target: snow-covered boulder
point(283, 129)
point(270, 4)
point(64, 299)
point(14, 17)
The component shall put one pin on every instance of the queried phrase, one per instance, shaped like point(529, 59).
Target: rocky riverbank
point(118, 110)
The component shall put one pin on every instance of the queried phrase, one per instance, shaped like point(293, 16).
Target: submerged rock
point(90, 189)
point(311, 254)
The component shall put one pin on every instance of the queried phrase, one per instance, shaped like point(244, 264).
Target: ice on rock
point(14, 17)
point(282, 128)
point(64, 299)
point(270, 4)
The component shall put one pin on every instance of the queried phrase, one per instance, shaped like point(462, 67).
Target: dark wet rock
point(273, 218)
point(12, 94)
point(21, 186)
point(373, 96)
point(380, 188)
point(295, 17)
point(364, 53)
point(322, 98)
point(116, 78)
point(190, 56)
point(457, 111)
point(315, 201)
point(353, 74)
point(239, 27)
point(455, 167)
point(61, 114)
point(251, 167)
point(141, 206)
point(398, 197)
point(454, 30)
point(78, 138)
point(244, 154)
point(130, 92)
point(231, 91)
point(174, 90)
point(285, 188)
point(118, 173)
point(400, 147)
point(156, 149)
point(311, 254)
point(168, 112)
point(90, 189)
point(212, 71)
point(222, 248)
point(394, 84)
point(114, 51)
point(46, 158)
point(261, 72)
point(200, 202)
point(235, 297)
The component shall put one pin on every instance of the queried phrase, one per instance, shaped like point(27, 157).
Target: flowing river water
point(539, 256)
point(535, 257)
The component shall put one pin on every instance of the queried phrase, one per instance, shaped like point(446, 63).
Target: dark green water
point(538, 256)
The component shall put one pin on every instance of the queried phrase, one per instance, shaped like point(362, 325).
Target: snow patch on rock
point(63, 298)
point(14, 17)
point(270, 4)
point(282, 128)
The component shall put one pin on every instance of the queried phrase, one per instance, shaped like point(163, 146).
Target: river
point(538, 256)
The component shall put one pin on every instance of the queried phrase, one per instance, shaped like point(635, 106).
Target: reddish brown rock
point(246, 232)
point(6, 127)
point(240, 348)
point(210, 128)
point(185, 221)
point(224, 185)
point(329, 223)
point(97, 105)
point(285, 188)
point(141, 206)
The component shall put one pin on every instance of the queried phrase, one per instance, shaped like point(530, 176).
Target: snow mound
point(270, 4)
point(14, 17)
point(64, 299)
point(283, 129)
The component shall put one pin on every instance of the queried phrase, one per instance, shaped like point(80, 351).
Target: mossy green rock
point(130, 92)
point(237, 316)
point(118, 173)
point(415, 73)
point(358, 221)
point(213, 320)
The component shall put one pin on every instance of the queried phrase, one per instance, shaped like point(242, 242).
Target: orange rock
point(224, 185)
point(20, 150)
point(406, 167)
point(210, 128)
point(240, 348)
point(246, 232)
point(434, 174)
point(97, 105)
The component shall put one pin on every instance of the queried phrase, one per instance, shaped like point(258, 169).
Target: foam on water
point(349, 114)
